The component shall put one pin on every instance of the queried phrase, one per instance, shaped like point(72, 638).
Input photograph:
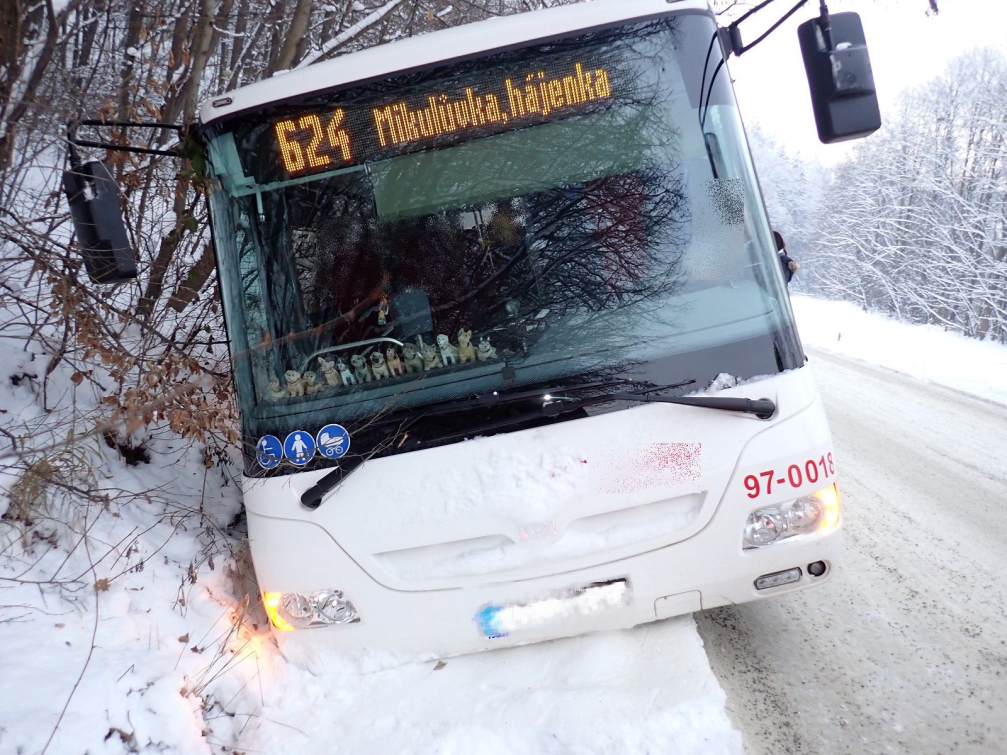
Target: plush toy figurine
point(392, 360)
point(312, 383)
point(295, 386)
point(431, 359)
point(466, 352)
point(449, 354)
point(485, 351)
point(345, 375)
point(411, 359)
point(275, 391)
point(360, 368)
point(329, 371)
point(378, 367)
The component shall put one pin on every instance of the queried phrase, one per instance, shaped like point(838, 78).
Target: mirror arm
point(71, 133)
point(71, 137)
point(733, 36)
point(825, 24)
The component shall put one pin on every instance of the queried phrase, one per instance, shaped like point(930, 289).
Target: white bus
point(513, 351)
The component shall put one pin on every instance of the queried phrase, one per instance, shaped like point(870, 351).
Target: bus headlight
point(804, 515)
point(335, 609)
point(765, 526)
point(818, 512)
point(294, 610)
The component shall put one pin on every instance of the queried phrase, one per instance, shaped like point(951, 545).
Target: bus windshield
point(579, 209)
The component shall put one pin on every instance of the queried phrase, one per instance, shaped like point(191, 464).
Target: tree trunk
point(132, 38)
point(10, 117)
point(298, 28)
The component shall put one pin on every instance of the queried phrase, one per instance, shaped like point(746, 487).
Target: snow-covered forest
point(914, 224)
point(121, 530)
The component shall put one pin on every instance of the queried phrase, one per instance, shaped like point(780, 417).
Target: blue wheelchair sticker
point(333, 441)
point(299, 447)
point(269, 451)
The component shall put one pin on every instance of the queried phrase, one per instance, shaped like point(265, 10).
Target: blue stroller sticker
point(333, 441)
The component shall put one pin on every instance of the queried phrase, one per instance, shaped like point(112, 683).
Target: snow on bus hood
point(535, 491)
point(533, 484)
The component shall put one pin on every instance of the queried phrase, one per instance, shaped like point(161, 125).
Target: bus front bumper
point(689, 576)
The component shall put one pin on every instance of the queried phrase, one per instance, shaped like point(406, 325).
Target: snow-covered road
point(906, 649)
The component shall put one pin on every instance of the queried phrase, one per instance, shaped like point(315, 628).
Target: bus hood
point(537, 502)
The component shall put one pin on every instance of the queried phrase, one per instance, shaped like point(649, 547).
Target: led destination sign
point(327, 139)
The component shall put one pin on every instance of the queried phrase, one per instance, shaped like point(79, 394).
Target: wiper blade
point(495, 398)
point(763, 408)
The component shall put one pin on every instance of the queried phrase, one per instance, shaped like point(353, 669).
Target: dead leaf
point(184, 639)
point(77, 378)
point(101, 585)
point(440, 665)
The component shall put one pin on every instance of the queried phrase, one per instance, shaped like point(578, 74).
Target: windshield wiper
point(495, 398)
point(763, 408)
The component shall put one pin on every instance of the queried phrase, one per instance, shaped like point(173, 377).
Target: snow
point(638, 691)
point(135, 627)
point(496, 556)
point(144, 629)
point(352, 31)
point(545, 482)
point(926, 352)
point(116, 602)
point(902, 652)
point(120, 621)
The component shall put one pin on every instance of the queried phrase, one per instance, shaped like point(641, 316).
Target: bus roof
point(426, 49)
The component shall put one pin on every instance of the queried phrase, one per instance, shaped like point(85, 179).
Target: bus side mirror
point(97, 221)
point(840, 77)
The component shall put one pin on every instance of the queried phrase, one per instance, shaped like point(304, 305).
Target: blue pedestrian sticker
point(269, 451)
point(333, 441)
point(299, 447)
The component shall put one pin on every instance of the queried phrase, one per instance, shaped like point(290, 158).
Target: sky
point(907, 49)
